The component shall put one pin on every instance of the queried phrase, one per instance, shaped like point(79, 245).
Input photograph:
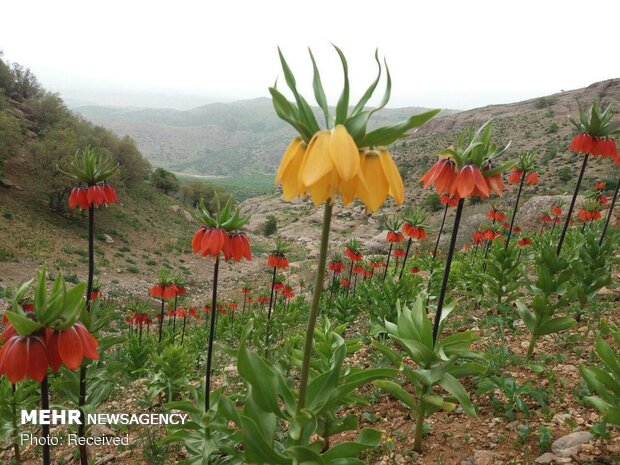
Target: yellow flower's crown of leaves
point(301, 116)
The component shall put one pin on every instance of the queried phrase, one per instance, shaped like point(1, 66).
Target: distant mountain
point(242, 137)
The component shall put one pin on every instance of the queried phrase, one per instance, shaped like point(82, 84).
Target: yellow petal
point(348, 190)
point(344, 153)
point(376, 187)
point(316, 163)
point(397, 188)
point(323, 189)
point(293, 150)
point(291, 187)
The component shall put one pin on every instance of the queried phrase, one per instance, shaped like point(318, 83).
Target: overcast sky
point(454, 54)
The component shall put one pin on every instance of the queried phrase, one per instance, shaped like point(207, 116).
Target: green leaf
point(256, 449)
point(387, 135)
point(418, 352)
point(23, 325)
point(396, 391)
point(555, 325)
point(319, 93)
point(454, 387)
point(260, 375)
point(527, 316)
point(371, 89)
point(342, 107)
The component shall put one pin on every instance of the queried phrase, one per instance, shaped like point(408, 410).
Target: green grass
point(242, 187)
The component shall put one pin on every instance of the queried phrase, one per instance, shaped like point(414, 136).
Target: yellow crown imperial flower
point(345, 159)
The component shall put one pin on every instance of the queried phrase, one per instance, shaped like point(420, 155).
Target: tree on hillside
point(164, 180)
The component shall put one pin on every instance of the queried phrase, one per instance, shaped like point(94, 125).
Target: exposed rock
point(530, 211)
point(108, 239)
point(547, 457)
point(106, 459)
point(100, 431)
point(181, 211)
point(376, 244)
point(8, 184)
point(484, 457)
point(571, 443)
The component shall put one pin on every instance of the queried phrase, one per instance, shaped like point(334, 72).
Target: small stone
point(547, 457)
point(106, 459)
point(484, 457)
point(100, 431)
point(571, 443)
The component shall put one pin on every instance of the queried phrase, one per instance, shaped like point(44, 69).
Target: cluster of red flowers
point(445, 199)
point(86, 197)
point(496, 215)
point(587, 215)
point(531, 178)
point(466, 182)
point(524, 242)
point(166, 291)
point(353, 256)
point(395, 237)
point(414, 232)
point(213, 241)
point(30, 356)
point(595, 146)
point(336, 266)
point(277, 260)
point(398, 252)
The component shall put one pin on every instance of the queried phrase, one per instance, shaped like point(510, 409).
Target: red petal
point(89, 343)
point(16, 359)
point(70, 348)
point(197, 240)
point(37, 359)
point(52, 351)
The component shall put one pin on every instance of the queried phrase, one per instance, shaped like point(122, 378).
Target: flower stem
point(350, 276)
point(161, 320)
point(530, 348)
point(419, 432)
point(211, 334)
point(405, 259)
point(16, 442)
point(314, 308)
point(609, 213)
point(572, 204)
point(446, 273)
point(514, 210)
point(45, 428)
point(89, 290)
point(443, 222)
point(387, 264)
point(271, 305)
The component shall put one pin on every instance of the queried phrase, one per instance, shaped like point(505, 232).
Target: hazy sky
point(456, 54)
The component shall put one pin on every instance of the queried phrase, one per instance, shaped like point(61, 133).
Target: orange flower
point(595, 146)
point(23, 356)
point(442, 175)
point(469, 182)
point(394, 236)
point(276, 260)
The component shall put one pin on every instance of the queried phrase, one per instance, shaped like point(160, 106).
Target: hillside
point(244, 137)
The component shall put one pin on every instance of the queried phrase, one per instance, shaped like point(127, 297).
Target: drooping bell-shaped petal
point(317, 163)
point(395, 181)
point(376, 188)
point(344, 153)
